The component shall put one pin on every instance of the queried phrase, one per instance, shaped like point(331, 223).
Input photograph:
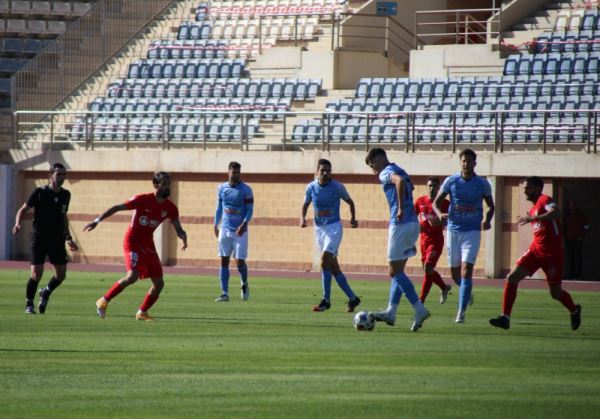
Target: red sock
point(437, 280)
point(425, 287)
point(149, 301)
point(510, 295)
point(567, 301)
point(114, 291)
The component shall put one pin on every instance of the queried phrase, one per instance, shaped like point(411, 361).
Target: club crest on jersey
point(144, 220)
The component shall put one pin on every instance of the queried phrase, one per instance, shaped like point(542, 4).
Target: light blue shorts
point(402, 239)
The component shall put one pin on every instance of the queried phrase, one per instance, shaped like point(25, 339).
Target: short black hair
point(55, 166)
point(468, 152)
point(234, 165)
point(323, 161)
point(159, 176)
point(374, 152)
point(433, 179)
point(535, 181)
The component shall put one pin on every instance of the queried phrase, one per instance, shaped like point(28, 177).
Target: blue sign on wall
point(386, 8)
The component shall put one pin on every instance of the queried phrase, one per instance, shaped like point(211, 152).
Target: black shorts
point(54, 248)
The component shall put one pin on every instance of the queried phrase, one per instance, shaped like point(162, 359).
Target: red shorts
point(431, 250)
point(144, 260)
point(550, 263)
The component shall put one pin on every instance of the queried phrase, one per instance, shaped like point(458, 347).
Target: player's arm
point(218, 216)
point(180, 233)
point(249, 202)
point(442, 216)
point(112, 210)
point(303, 222)
point(487, 223)
point(68, 238)
point(552, 213)
point(400, 185)
point(24, 208)
point(353, 222)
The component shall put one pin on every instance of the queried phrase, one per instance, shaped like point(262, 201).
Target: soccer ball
point(363, 321)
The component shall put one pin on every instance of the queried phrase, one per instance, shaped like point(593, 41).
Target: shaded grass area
point(273, 357)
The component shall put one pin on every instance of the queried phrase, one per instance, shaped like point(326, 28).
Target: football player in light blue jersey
point(235, 204)
point(467, 192)
point(325, 195)
point(402, 235)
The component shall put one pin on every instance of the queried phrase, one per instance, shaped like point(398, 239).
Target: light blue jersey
point(234, 205)
point(466, 201)
point(408, 210)
point(326, 200)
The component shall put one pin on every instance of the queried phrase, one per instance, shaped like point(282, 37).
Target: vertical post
point(454, 132)
point(589, 132)
point(495, 132)
point(127, 131)
point(387, 36)
point(204, 129)
point(595, 132)
point(367, 132)
point(332, 31)
point(284, 129)
point(51, 128)
point(15, 136)
point(260, 40)
point(416, 35)
point(296, 30)
point(457, 29)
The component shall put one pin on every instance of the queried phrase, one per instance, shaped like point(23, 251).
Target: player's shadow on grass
point(249, 321)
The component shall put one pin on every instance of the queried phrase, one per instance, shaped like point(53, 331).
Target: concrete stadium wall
point(100, 179)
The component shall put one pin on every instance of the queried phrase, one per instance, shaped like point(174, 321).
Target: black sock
point(53, 284)
point(30, 291)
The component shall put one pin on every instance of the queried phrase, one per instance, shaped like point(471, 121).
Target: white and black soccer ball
point(363, 321)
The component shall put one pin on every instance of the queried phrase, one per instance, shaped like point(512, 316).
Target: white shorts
point(401, 240)
point(462, 246)
point(230, 244)
point(329, 237)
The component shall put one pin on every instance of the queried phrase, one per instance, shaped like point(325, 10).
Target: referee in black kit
point(50, 232)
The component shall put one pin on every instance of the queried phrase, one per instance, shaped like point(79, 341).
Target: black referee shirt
point(49, 213)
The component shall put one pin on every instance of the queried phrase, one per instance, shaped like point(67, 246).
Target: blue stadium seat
point(511, 65)
point(590, 21)
point(400, 89)
point(362, 88)
point(538, 65)
point(387, 90)
point(375, 87)
point(524, 65)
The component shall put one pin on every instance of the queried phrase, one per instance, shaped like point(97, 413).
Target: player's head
point(532, 187)
point(162, 184)
point(468, 161)
point(323, 171)
point(377, 159)
point(58, 172)
point(234, 172)
point(433, 186)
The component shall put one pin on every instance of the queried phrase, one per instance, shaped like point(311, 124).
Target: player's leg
point(151, 297)
point(405, 236)
point(469, 243)
point(58, 257)
point(552, 267)
point(454, 255)
point(509, 297)
point(342, 281)
point(225, 243)
point(130, 278)
point(241, 255)
point(36, 272)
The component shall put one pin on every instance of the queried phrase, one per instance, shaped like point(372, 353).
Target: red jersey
point(425, 213)
point(148, 215)
point(546, 234)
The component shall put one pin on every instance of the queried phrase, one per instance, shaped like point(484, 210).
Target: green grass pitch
point(273, 357)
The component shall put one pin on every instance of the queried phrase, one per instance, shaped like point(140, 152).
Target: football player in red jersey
point(431, 239)
point(545, 252)
point(141, 258)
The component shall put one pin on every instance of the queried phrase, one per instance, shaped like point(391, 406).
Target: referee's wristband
point(97, 220)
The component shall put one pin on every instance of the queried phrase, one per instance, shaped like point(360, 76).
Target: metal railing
point(89, 42)
point(538, 129)
point(460, 26)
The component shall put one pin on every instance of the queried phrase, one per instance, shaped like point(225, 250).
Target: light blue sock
point(466, 285)
point(395, 293)
point(407, 287)
point(326, 281)
point(224, 278)
point(344, 285)
point(243, 270)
